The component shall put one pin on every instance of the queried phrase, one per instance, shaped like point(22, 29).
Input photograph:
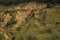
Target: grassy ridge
point(45, 28)
point(40, 23)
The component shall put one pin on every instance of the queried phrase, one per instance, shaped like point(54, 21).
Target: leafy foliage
point(13, 2)
point(1, 37)
point(33, 30)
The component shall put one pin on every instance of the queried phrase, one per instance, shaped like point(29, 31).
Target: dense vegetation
point(41, 24)
point(13, 2)
point(45, 27)
point(1, 37)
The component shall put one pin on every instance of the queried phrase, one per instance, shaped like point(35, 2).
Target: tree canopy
point(9, 2)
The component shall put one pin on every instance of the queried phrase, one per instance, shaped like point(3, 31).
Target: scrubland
point(30, 21)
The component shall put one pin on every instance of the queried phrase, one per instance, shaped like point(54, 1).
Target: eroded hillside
point(26, 22)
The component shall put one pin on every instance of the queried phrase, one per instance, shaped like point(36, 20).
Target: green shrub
point(1, 37)
point(32, 31)
point(11, 12)
point(53, 17)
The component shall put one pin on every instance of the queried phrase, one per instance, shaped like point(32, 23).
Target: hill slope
point(30, 22)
